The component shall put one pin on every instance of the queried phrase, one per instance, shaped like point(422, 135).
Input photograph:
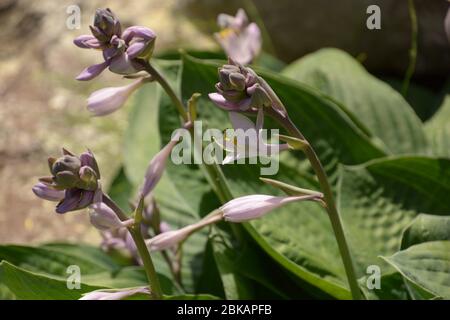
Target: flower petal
point(221, 102)
point(92, 71)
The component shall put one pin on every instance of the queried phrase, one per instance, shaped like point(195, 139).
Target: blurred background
point(42, 106)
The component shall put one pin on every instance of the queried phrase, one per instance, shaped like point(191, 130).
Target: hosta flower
point(103, 217)
point(121, 50)
point(238, 89)
point(157, 165)
point(73, 181)
point(118, 239)
point(239, 39)
point(114, 294)
point(171, 238)
point(108, 100)
point(248, 148)
point(254, 206)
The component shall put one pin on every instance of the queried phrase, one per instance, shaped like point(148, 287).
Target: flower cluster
point(121, 50)
point(73, 182)
point(123, 53)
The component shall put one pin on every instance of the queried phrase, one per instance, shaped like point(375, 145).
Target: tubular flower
point(241, 148)
point(254, 206)
point(240, 39)
point(115, 294)
point(238, 89)
point(171, 238)
point(103, 217)
point(73, 181)
point(108, 100)
point(157, 165)
point(121, 50)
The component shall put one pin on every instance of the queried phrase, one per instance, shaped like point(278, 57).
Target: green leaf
point(427, 265)
point(121, 190)
point(375, 104)
point(379, 200)
point(54, 261)
point(425, 228)
point(438, 130)
point(141, 135)
point(26, 285)
point(392, 288)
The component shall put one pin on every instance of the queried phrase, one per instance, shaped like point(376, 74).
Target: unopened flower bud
point(106, 25)
point(157, 166)
point(114, 294)
point(66, 163)
point(73, 181)
point(254, 206)
point(108, 100)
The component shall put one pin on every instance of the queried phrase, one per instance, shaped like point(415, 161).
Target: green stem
point(330, 204)
point(168, 89)
point(413, 49)
point(135, 231)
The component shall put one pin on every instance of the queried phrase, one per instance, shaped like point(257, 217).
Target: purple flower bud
point(87, 159)
point(103, 217)
point(236, 88)
point(254, 206)
point(115, 294)
point(170, 238)
point(121, 51)
point(108, 100)
point(140, 41)
point(78, 176)
point(239, 39)
point(87, 42)
point(156, 167)
point(106, 25)
point(46, 192)
point(92, 71)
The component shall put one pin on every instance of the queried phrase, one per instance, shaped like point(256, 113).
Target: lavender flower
point(171, 238)
point(254, 206)
point(103, 217)
point(238, 89)
point(118, 239)
point(73, 181)
point(121, 50)
point(157, 165)
point(114, 294)
point(255, 147)
point(239, 39)
point(108, 100)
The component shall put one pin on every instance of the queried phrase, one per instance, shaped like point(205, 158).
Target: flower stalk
point(135, 231)
point(328, 198)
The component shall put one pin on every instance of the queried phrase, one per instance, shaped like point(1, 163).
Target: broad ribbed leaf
point(27, 285)
point(380, 108)
point(426, 227)
point(438, 130)
point(380, 199)
point(427, 265)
